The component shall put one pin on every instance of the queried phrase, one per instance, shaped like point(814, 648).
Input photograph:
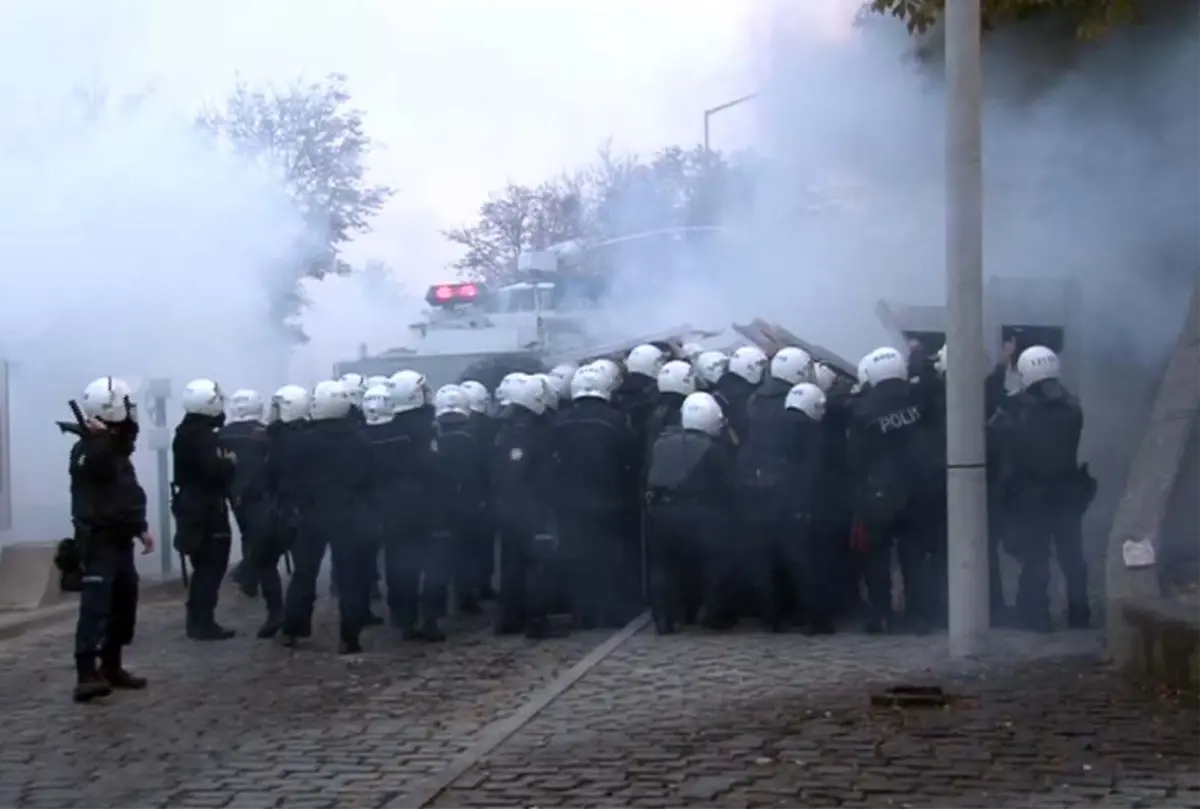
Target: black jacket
point(106, 499)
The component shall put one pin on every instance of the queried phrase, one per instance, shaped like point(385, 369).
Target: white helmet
point(689, 351)
point(289, 403)
point(808, 399)
point(410, 391)
point(939, 360)
point(884, 364)
point(612, 368)
point(823, 376)
point(792, 365)
point(477, 395)
point(505, 388)
point(711, 366)
point(700, 411)
point(329, 401)
point(531, 393)
point(677, 377)
point(203, 397)
point(861, 373)
point(550, 390)
point(748, 362)
point(1037, 364)
point(108, 399)
point(245, 405)
point(451, 399)
point(410, 378)
point(646, 360)
point(377, 380)
point(592, 381)
point(560, 376)
point(356, 386)
point(377, 404)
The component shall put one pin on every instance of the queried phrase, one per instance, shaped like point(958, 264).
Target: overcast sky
point(461, 94)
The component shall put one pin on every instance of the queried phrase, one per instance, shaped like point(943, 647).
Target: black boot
point(427, 630)
point(209, 631)
point(1079, 617)
point(349, 643)
point(116, 675)
point(272, 625)
point(89, 685)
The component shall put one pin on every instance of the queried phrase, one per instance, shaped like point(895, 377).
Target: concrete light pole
point(709, 113)
point(966, 476)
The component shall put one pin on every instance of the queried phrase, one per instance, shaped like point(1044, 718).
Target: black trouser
point(333, 526)
point(109, 599)
point(517, 604)
point(776, 565)
point(1044, 525)
point(260, 551)
point(471, 548)
point(412, 569)
point(591, 540)
point(210, 562)
point(688, 568)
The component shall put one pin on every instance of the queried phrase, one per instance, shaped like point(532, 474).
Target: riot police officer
point(1047, 488)
point(245, 437)
point(463, 462)
point(287, 485)
point(520, 466)
point(108, 509)
point(595, 455)
point(735, 387)
point(336, 483)
point(689, 492)
point(886, 459)
point(204, 474)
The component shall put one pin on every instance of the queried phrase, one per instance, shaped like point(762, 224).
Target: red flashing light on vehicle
point(449, 294)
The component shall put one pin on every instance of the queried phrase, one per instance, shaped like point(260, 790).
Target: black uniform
point(333, 487)
point(520, 460)
point(108, 509)
point(253, 510)
point(776, 478)
point(887, 461)
point(1048, 492)
point(637, 398)
point(464, 465)
point(595, 455)
point(930, 606)
point(287, 487)
point(485, 429)
point(734, 395)
point(408, 476)
point(204, 473)
point(689, 487)
point(833, 513)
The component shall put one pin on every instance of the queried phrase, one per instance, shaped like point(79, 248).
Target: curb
point(15, 623)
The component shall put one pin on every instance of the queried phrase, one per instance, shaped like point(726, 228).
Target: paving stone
point(746, 719)
point(248, 723)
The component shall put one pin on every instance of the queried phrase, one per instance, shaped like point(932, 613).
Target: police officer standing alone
point(245, 437)
point(204, 473)
point(108, 508)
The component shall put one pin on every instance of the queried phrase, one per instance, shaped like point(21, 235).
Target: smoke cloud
point(133, 246)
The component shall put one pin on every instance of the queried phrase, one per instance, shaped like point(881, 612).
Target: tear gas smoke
point(1091, 172)
point(134, 247)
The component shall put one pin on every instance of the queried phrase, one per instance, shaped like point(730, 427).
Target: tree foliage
point(311, 133)
point(615, 195)
point(1092, 18)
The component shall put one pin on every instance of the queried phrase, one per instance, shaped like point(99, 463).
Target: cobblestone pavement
point(757, 720)
point(248, 723)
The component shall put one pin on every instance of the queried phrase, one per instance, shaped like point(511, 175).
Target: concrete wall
point(1158, 494)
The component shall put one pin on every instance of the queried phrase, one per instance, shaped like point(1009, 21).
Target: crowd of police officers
point(713, 487)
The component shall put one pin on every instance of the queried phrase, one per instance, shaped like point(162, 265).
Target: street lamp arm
point(721, 107)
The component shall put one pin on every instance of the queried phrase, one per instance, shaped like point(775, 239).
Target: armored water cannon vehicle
point(555, 313)
point(1022, 312)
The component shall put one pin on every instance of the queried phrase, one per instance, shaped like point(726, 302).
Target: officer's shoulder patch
point(516, 454)
point(433, 444)
point(82, 460)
